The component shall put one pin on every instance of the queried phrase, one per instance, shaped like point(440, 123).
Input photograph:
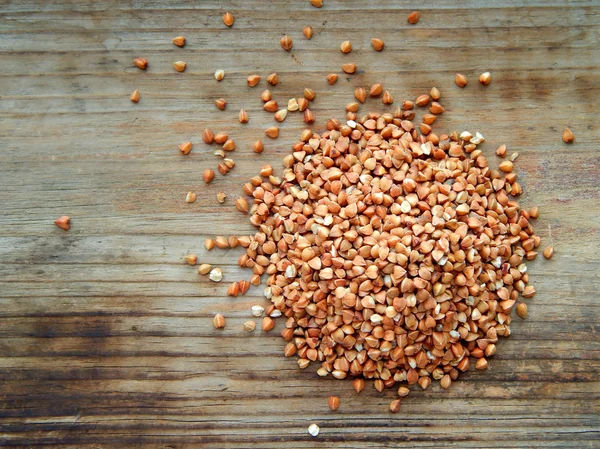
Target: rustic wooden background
point(106, 338)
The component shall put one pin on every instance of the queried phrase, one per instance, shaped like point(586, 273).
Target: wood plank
point(106, 337)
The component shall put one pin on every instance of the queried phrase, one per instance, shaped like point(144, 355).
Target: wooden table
point(107, 336)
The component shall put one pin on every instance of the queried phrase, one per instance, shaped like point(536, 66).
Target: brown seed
point(272, 132)
point(208, 175)
point(208, 136)
point(403, 392)
point(501, 151)
point(424, 382)
point(286, 42)
point(244, 286)
point(485, 78)
point(281, 115)
point(204, 268)
point(531, 255)
point(490, 350)
point(481, 363)
point(506, 166)
point(462, 209)
point(209, 244)
point(349, 68)
point(435, 93)
point(377, 44)
point(135, 96)
point(414, 17)
point(436, 108)
point(268, 323)
point(221, 138)
point(548, 252)
point(522, 310)
point(445, 382)
point(221, 103)
point(309, 94)
point(534, 212)
point(266, 171)
point(63, 222)
point(358, 384)
point(460, 80)
point(395, 406)
point(242, 205)
point(258, 146)
point(179, 66)
point(229, 145)
point(529, 291)
point(228, 19)
point(387, 98)
point(265, 95)
point(255, 279)
point(346, 47)
point(253, 80)
point(221, 242)
point(360, 94)
point(334, 403)
point(191, 259)
point(249, 326)
point(243, 116)
point(429, 118)
point(306, 135)
point(190, 197)
point(302, 104)
point(422, 100)
point(185, 147)
point(290, 349)
point(332, 78)
point(568, 136)
point(221, 197)
point(219, 321)
point(141, 63)
point(309, 117)
point(271, 106)
point(179, 41)
point(516, 189)
point(273, 79)
point(308, 32)
point(376, 90)
point(316, 3)
point(233, 289)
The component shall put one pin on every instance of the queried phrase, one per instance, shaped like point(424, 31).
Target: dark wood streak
point(106, 337)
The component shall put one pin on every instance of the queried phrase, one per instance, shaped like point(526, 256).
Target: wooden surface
point(106, 335)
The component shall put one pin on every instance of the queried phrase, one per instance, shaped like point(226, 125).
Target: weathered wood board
point(106, 335)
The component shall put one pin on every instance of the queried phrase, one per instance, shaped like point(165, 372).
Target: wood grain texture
point(106, 336)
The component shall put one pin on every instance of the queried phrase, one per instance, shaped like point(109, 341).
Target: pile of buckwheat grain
point(393, 256)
